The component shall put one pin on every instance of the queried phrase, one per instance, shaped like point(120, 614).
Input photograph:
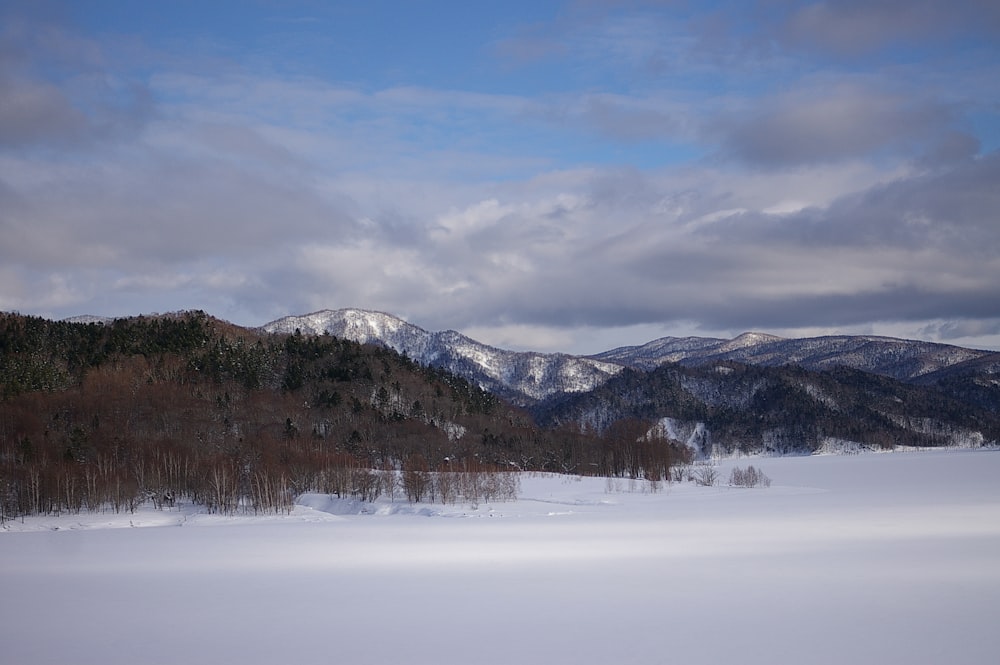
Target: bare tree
point(748, 477)
point(416, 478)
point(706, 476)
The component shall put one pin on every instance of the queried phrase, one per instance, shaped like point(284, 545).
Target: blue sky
point(564, 176)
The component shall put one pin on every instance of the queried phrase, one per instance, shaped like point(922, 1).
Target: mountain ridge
point(890, 356)
point(527, 377)
point(520, 376)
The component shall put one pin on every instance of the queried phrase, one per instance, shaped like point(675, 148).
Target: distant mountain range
point(905, 360)
point(529, 377)
point(755, 392)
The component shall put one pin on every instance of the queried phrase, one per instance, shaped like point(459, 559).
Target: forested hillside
point(97, 416)
point(756, 409)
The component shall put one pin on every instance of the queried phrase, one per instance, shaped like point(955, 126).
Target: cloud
point(959, 329)
point(856, 28)
point(86, 102)
point(830, 123)
point(796, 33)
point(35, 112)
point(629, 119)
point(155, 209)
point(903, 251)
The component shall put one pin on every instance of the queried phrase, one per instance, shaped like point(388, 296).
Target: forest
point(98, 416)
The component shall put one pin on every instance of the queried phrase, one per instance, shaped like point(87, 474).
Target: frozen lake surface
point(879, 558)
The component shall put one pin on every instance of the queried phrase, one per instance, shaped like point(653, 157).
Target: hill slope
point(726, 407)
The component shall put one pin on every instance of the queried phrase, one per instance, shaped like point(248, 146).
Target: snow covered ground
point(878, 558)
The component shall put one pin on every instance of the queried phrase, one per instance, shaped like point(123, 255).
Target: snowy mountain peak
point(370, 324)
point(359, 325)
point(521, 376)
point(749, 339)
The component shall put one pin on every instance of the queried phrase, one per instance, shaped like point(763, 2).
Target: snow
point(869, 558)
point(747, 340)
point(692, 434)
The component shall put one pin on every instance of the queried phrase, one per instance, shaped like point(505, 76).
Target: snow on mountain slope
point(513, 374)
point(362, 326)
point(900, 359)
point(659, 351)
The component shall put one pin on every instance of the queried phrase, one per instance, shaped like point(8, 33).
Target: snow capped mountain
point(522, 377)
point(905, 360)
point(659, 351)
point(528, 377)
point(362, 326)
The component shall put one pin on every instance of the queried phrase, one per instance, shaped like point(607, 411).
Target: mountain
point(906, 360)
point(725, 406)
point(968, 375)
point(522, 377)
point(529, 378)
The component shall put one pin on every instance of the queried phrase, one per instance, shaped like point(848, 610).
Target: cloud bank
point(596, 176)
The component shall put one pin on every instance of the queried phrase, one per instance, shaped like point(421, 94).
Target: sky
point(556, 176)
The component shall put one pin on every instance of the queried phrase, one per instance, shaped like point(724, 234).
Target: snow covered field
point(879, 558)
